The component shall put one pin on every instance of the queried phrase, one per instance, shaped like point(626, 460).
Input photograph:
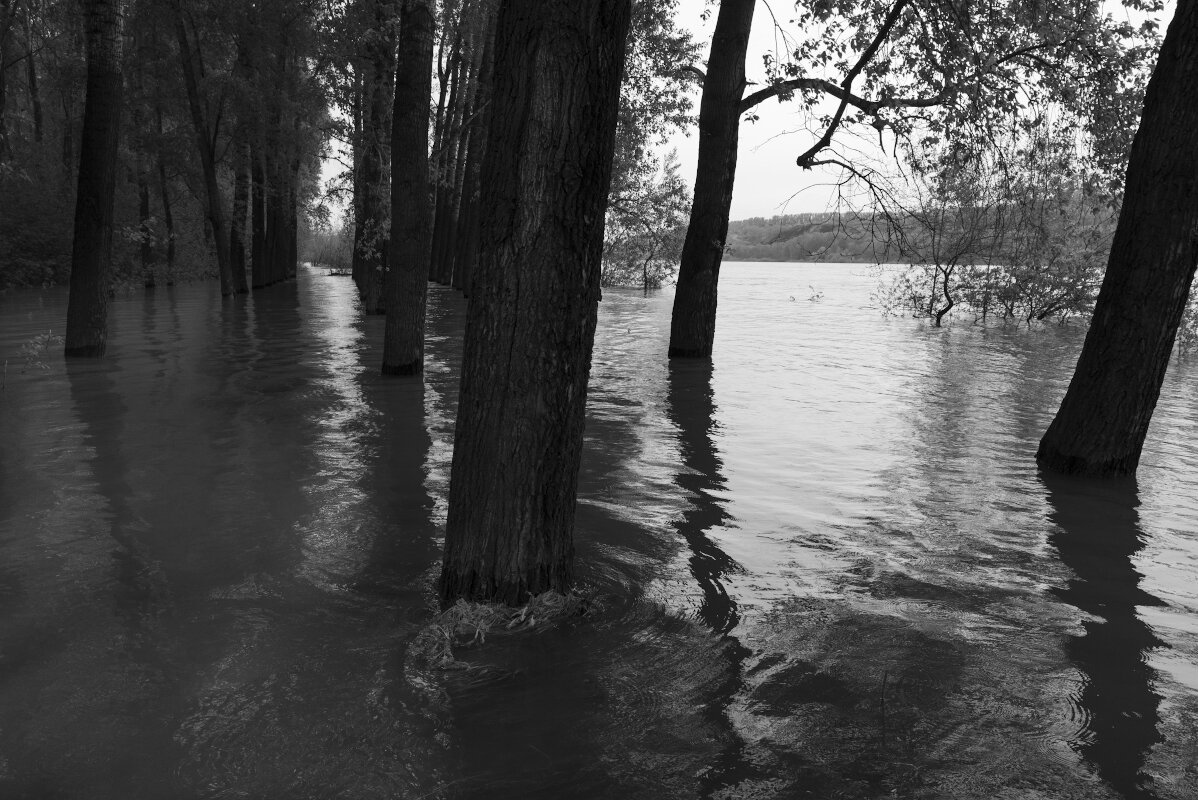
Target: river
point(822, 565)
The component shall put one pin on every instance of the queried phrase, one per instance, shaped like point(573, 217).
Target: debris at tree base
point(466, 624)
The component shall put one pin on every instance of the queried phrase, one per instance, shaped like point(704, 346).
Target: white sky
point(767, 181)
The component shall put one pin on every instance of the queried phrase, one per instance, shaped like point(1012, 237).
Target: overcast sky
point(767, 180)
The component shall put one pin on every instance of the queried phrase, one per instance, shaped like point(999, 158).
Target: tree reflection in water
point(690, 406)
point(1097, 535)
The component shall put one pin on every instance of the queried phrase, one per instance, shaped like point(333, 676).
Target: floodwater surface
point(822, 564)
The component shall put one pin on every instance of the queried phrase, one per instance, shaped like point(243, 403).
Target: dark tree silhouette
point(407, 276)
point(692, 329)
point(91, 250)
point(531, 321)
point(1103, 420)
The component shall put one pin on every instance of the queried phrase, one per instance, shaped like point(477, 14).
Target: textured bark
point(531, 321)
point(241, 204)
point(407, 278)
point(91, 250)
point(205, 142)
point(692, 328)
point(1103, 420)
point(375, 162)
point(467, 244)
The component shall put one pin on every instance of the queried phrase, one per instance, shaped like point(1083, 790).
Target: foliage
point(648, 202)
point(1018, 232)
point(646, 225)
point(918, 74)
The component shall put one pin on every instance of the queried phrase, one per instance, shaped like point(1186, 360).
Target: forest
point(348, 180)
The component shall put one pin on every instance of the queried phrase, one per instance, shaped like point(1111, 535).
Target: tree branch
point(805, 160)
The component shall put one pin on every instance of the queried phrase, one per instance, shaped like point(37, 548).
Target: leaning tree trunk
point(531, 319)
point(1100, 427)
point(411, 212)
point(91, 248)
point(692, 328)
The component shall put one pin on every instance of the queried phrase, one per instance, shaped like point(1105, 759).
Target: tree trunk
point(411, 215)
point(376, 150)
point(206, 145)
point(145, 229)
point(445, 163)
point(692, 327)
point(91, 249)
point(35, 97)
point(467, 255)
point(168, 218)
point(259, 267)
point(531, 320)
point(1100, 427)
point(241, 204)
point(357, 268)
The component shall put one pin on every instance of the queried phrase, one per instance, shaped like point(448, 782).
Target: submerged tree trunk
point(207, 149)
point(411, 214)
point(1103, 420)
point(91, 249)
point(531, 320)
point(692, 328)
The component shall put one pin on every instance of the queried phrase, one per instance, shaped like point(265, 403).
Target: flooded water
point(823, 565)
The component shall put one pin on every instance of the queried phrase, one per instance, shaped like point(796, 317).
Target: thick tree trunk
point(91, 250)
point(376, 153)
point(531, 320)
point(241, 205)
point(1103, 420)
point(692, 328)
point(411, 215)
point(206, 146)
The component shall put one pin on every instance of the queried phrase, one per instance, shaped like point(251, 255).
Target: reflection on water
point(1098, 535)
point(822, 564)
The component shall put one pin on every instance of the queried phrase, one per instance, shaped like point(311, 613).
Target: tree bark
point(531, 321)
point(91, 249)
point(1103, 420)
point(411, 214)
point(376, 154)
point(692, 327)
point(467, 255)
point(207, 149)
